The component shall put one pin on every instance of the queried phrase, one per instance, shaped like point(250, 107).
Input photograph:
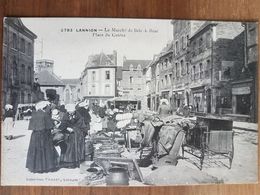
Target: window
point(182, 67)
point(29, 49)
point(170, 78)
point(14, 41)
point(107, 75)
point(176, 69)
point(5, 35)
point(208, 40)
point(22, 97)
point(166, 80)
point(93, 75)
point(131, 67)
point(194, 48)
point(182, 43)
point(187, 68)
point(22, 45)
point(139, 67)
point(107, 89)
point(194, 69)
point(93, 90)
point(23, 74)
point(187, 41)
point(15, 73)
point(200, 45)
point(201, 70)
point(176, 47)
point(29, 98)
point(162, 84)
point(5, 68)
point(29, 78)
point(131, 79)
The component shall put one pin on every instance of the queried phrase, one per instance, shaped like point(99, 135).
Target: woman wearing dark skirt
point(41, 156)
point(75, 152)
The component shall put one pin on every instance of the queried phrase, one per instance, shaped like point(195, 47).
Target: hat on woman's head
point(41, 105)
point(55, 114)
point(70, 107)
point(8, 106)
point(84, 103)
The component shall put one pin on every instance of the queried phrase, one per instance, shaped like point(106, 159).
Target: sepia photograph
point(128, 102)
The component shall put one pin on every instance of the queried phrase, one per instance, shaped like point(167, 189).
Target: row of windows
point(24, 47)
point(131, 67)
point(197, 72)
point(26, 73)
point(184, 43)
point(164, 65)
point(107, 75)
point(200, 44)
point(93, 90)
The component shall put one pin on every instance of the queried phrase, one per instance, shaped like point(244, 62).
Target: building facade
point(98, 80)
point(71, 93)
point(133, 83)
point(244, 86)
point(18, 59)
point(161, 70)
point(51, 85)
point(44, 64)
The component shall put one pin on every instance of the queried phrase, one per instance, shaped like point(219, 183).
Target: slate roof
point(100, 60)
point(202, 27)
point(70, 81)
point(50, 79)
point(135, 63)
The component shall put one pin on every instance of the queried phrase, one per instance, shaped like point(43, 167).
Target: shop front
point(199, 99)
point(178, 99)
point(242, 99)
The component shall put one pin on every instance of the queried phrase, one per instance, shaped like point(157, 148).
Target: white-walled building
point(98, 80)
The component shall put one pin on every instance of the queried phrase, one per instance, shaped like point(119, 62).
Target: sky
point(62, 40)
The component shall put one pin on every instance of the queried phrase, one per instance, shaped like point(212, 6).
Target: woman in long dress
point(75, 152)
point(41, 156)
point(8, 121)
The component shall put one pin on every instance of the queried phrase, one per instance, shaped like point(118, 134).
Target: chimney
point(115, 57)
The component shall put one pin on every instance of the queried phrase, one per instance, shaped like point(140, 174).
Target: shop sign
point(241, 90)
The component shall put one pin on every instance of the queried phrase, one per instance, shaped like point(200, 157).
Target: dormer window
point(131, 67)
point(139, 67)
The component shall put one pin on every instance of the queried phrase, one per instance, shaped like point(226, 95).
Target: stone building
point(161, 76)
point(50, 84)
point(71, 93)
point(244, 86)
point(133, 83)
point(215, 52)
point(182, 31)
point(44, 64)
point(98, 79)
point(18, 59)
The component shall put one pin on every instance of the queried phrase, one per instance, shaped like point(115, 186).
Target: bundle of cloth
point(123, 120)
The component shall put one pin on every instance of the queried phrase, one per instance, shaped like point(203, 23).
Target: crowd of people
point(59, 131)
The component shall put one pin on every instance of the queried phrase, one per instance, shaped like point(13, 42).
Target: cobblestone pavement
point(244, 167)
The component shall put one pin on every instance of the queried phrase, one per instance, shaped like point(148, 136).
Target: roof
point(135, 63)
point(100, 60)
point(70, 81)
point(202, 28)
point(17, 22)
point(47, 78)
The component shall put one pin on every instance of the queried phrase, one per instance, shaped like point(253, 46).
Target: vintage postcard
point(128, 102)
